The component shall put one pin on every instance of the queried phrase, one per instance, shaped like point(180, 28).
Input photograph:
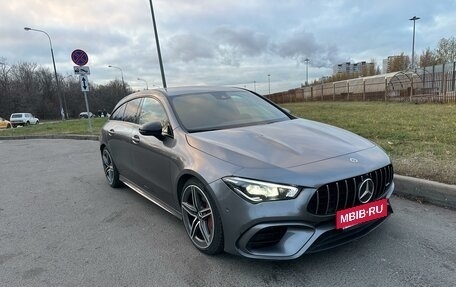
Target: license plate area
point(349, 217)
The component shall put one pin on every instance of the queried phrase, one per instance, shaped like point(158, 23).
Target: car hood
point(282, 144)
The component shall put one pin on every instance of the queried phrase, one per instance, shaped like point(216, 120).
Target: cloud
point(188, 47)
point(301, 44)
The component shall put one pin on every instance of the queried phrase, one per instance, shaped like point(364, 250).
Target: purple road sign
point(79, 57)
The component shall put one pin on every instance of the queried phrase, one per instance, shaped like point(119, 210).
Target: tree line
point(444, 52)
point(28, 87)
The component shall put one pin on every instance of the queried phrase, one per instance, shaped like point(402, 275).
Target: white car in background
point(23, 119)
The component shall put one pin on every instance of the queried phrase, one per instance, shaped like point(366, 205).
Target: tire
point(27, 123)
point(110, 169)
point(201, 218)
point(37, 122)
point(8, 126)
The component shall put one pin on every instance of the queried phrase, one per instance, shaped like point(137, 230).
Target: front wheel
point(110, 169)
point(201, 218)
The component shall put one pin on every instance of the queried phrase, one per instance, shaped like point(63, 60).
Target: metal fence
point(431, 84)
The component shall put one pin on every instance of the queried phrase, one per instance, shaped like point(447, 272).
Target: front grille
point(343, 194)
point(266, 237)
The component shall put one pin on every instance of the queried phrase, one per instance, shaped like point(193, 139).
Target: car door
point(120, 129)
point(152, 156)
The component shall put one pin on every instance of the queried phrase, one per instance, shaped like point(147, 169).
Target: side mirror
point(287, 110)
point(152, 129)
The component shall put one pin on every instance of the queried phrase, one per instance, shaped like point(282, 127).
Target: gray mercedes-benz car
point(243, 174)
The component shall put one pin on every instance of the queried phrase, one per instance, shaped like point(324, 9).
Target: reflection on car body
point(244, 175)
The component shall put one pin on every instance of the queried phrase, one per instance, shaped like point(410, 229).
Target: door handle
point(111, 132)
point(135, 139)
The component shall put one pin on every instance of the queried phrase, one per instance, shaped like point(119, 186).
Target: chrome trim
point(150, 197)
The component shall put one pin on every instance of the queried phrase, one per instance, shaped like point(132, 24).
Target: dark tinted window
point(131, 111)
point(118, 114)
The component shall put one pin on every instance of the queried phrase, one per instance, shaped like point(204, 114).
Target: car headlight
point(258, 191)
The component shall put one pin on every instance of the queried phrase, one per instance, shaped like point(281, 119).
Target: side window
point(131, 111)
point(117, 115)
point(153, 111)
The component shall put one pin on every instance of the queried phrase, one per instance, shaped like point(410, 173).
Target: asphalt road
point(62, 225)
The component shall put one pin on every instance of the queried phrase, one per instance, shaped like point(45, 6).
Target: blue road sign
point(79, 57)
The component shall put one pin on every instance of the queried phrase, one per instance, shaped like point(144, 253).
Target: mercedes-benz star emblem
point(354, 160)
point(366, 190)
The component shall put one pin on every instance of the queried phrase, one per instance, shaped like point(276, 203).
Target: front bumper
point(281, 230)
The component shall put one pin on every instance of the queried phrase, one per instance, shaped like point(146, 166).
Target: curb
point(436, 193)
point(72, 137)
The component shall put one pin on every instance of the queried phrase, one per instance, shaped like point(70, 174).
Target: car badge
point(366, 190)
point(354, 160)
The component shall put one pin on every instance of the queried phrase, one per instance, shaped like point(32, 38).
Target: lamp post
point(307, 60)
point(158, 45)
point(147, 86)
point(269, 83)
point(55, 72)
point(121, 74)
point(413, 42)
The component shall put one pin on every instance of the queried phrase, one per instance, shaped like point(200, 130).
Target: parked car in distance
point(4, 124)
point(243, 174)
point(83, 115)
point(23, 119)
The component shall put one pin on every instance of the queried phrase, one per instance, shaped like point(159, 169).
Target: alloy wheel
point(108, 166)
point(197, 216)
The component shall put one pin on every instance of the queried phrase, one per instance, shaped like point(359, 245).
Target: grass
point(421, 139)
point(74, 127)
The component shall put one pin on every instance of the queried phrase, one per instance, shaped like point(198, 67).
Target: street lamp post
point(121, 74)
point(269, 83)
point(158, 45)
point(307, 60)
point(55, 71)
point(147, 86)
point(413, 42)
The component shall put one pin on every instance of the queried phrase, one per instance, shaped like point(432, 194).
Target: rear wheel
point(201, 218)
point(110, 169)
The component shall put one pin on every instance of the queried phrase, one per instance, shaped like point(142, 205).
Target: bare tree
point(398, 63)
point(446, 50)
point(428, 58)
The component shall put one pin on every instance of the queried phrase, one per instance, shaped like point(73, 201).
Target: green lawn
point(77, 127)
point(421, 139)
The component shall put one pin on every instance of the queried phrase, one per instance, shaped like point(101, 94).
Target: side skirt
point(151, 197)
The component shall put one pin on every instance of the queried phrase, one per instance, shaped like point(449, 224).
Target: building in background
point(352, 68)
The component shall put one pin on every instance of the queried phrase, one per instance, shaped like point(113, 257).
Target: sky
point(215, 42)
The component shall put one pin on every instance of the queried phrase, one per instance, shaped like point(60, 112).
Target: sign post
point(84, 80)
point(80, 58)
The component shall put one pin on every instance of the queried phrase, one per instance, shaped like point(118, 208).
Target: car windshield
point(224, 109)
